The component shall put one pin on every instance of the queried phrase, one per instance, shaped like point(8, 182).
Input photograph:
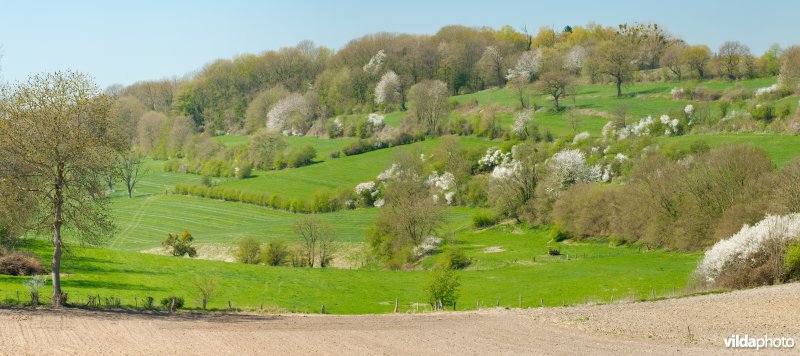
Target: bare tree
point(429, 103)
point(317, 239)
point(207, 287)
point(731, 53)
point(58, 140)
point(492, 64)
point(674, 60)
point(130, 170)
point(790, 67)
point(556, 84)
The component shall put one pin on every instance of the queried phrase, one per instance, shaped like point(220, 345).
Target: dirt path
point(691, 326)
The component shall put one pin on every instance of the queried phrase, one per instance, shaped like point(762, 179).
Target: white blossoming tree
point(568, 167)
point(290, 113)
point(390, 92)
point(375, 63)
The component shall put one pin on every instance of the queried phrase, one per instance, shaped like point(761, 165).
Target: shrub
point(181, 245)
point(750, 257)
point(34, 285)
point(443, 286)
point(166, 303)
point(245, 170)
point(206, 287)
point(558, 233)
point(763, 112)
point(19, 263)
point(248, 250)
point(699, 147)
point(357, 147)
point(483, 219)
point(792, 260)
point(275, 253)
point(301, 157)
point(453, 258)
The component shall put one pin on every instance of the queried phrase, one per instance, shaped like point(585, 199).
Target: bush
point(275, 253)
point(301, 156)
point(763, 112)
point(453, 258)
point(19, 263)
point(443, 287)
point(245, 170)
point(483, 219)
point(248, 250)
point(558, 233)
point(357, 147)
point(792, 261)
point(181, 245)
point(167, 302)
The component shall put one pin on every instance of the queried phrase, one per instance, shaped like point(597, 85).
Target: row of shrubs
point(218, 167)
point(321, 202)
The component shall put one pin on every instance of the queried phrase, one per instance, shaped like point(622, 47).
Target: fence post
point(519, 302)
point(541, 302)
point(323, 308)
point(395, 304)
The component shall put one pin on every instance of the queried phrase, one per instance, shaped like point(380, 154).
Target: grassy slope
point(93, 271)
point(780, 148)
point(345, 172)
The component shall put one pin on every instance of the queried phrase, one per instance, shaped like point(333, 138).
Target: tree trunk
point(57, 248)
point(619, 87)
point(130, 190)
point(558, 108)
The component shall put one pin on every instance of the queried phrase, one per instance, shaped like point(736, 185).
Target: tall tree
point(58, 140)
point(730, 54)
point(616, 58)
point(697, 58)
point(556, 84)
point(130, 170)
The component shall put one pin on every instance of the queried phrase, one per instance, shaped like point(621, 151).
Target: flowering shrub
point(428, 245)
point(376, 120)
point(581, 136)
point(645, 127)
point(689, 109)
point(569, 167)
point(767, 90)
point(367, 193)
point(493, 158)
point(747, 246)
point(575, 59)
point(676, 93)
point(443, 185)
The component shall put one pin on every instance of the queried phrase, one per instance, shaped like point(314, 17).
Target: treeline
point(377, 71)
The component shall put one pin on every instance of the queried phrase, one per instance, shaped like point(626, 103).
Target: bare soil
point(694, 325)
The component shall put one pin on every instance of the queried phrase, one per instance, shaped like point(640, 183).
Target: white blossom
point(442, 184)
point(749, 241)
point(493, 157)
point(365, 187)
point(376, 120)
point(375, 63)
point(527, 65)
point(689, 109)
point(767, 90)
point(568, 167)
point(581, 136)
point(575, 59)
point(279, 115)
point(388, 88)
point(428, 245)
point(521, 121)
point(676, 92)
point(379, 203)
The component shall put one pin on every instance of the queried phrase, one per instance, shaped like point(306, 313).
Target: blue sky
point(122, 42)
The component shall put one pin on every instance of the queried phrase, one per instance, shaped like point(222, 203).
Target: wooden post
point(541, 302)
point(323, 308)
point(417, 304)
point(498, 303)
point(519, 301)
point(172, 305)
point(262, 307)
point(230, 307)
point(612, 299)
point(395, 304)
point(135, 302)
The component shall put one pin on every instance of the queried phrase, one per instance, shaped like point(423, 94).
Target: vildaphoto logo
point(749, 342)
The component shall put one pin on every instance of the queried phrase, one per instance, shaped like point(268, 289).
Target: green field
point(780, 148)
point(346, 171)
point(605, 272)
